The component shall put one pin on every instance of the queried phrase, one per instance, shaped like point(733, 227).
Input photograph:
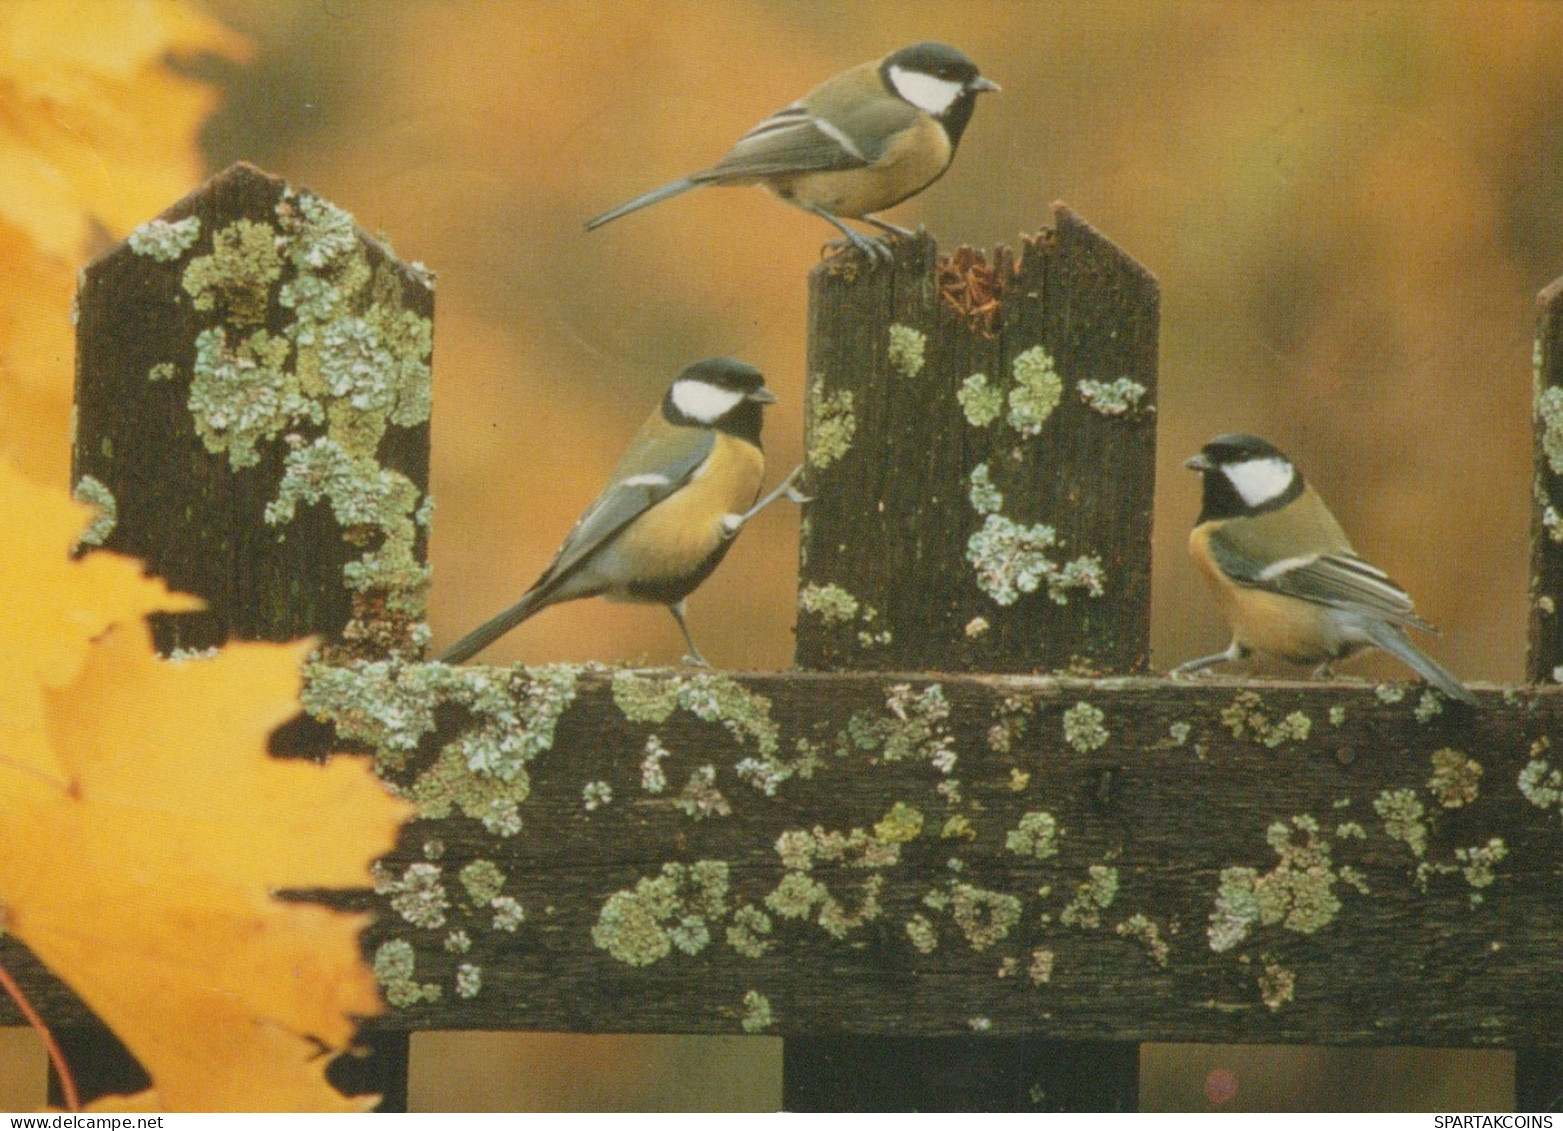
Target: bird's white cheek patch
point(705, 403)
point(1259, 480)
point(924, 91)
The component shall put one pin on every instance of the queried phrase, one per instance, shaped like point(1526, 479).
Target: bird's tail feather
point(1392, 638)
point(491, 630)
point(682, 185)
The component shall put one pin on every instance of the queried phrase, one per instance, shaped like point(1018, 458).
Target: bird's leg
point(694, 659)
point(887, 226)
point(876, 250)
point(733, 523)
point(1234, 651)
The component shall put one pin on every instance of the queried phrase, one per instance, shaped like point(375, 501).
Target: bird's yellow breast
point(918, 159)
point(1272, 624)
point(676, 540)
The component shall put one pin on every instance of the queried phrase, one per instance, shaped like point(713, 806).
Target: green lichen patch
point(95, 493)
point(395, 963)
point(757, 1015)
point(1277, 984)
point(1402, 812)
point(1084, 729)
point(710, 697)
point(985, 497)
point(1112, 398)
point(1036, 393)
point(1479, 863)
point(907, 350)
point(913, 727)
point(832, 424)
point(1388, 693)
point(508, 913)
point(596, 795)
point(1035, 836)
point(1041, 968)
point(901, 824)
point(982, 402)
point(482, 880)
point(242, 394)
point(238, 275)
point(389, 705)
point(924, 936)
point(749, 932)
point(1298, 893)
point(983, 917)
point(801, 896)
point(674, 909)
point(1456, 779)
point(469, 980)
point(418, 895)
point(1549, 411)
point(1093, 896)
point(1245, 716)
point(165, 240)
point(1428, 707)
point(1538, 782)
point(1010, 559)
point(831, 603)
point(1147, 933)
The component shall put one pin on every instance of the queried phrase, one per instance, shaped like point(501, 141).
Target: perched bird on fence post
point(671, 509)
point(1284, 573)
point(856, 144)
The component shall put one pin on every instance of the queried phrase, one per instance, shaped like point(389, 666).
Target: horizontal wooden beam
point(1126, 859)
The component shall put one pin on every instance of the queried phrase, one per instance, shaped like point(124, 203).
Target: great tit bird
point(671, 509)
point(863, 141)
point(1284, 573)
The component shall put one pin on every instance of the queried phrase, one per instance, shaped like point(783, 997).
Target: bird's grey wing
point(637, 486)
point(794, 141)
point(1338, 580)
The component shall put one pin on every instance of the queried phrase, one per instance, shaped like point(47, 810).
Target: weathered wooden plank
point(981, 442)
point(252, 410)
point(252, 399)
point(1040, 562)
point(1450, 947)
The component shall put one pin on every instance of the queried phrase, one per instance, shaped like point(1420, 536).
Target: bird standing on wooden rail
point(1285, 574)
point(671, 509)
point(856, 144)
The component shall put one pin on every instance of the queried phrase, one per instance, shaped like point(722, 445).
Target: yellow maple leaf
point(97, 132)
point(155, 827)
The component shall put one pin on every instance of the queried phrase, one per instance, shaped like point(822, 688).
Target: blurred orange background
point(1350, 208)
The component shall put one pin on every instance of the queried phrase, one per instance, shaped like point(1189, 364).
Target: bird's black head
point(721, 393)
point(938, 79)
point(1244, 475)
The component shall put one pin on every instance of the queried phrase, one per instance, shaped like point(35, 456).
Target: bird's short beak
point(762, 395)
point(1199, 461)
point(980, 84)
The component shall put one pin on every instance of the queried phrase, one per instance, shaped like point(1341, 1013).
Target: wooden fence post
point(981, 440)
point(252, 418)
point(1538, 1071)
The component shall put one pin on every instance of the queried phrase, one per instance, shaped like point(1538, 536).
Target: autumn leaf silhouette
point(147, 828)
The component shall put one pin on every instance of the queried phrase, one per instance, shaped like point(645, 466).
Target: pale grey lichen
point(395, 963)
point(1539, 783)
point(1388, 693)
point(906, 350)
point(982, 402)
point(1035, 836)
point(1298, 893)
point(508, 912)
point(1402, 812)
point(242, 395)
point(700, 797)
point(1093, 896)
point(1111, 398)
point(923, 935)
point(831, 603)
point(985, 497)
point(1083, 728)
point(163, 371)
point(595, 795)
point(1148, 933)
point(1036, 393)
point(913, 727)
point(1010, 559)
point(1179, 733)
point(95, 493)
point(1428, 707)
point(165, 240)
point(653, 779)
point(469, 980)
point(1478, 864)
point(1277, 985)
point(757, 1015)
point(419, 896)
point(1549, 411)
point(457, 942)
point(641, 926)
point(832, 424)
point(1041, 968)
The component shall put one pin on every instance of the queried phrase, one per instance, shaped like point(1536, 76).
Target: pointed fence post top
point(253, 391)
point(981, 443)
